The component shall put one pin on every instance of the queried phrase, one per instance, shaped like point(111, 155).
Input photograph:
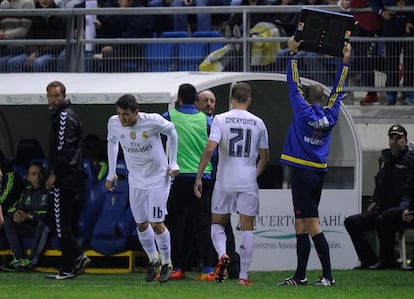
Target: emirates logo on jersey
point(144, 135)
point(133, 135)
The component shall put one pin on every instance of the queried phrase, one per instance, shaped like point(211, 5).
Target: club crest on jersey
point(144, 135)
point(133, 135)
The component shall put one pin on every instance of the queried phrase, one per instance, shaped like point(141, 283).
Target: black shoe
point(165, 273)
point(324, 282)
point(383, 266)
point(360, 268)
point(364, 266)
point(82, 262)
point(61, 275)
point(292, 281)
point(151, 272)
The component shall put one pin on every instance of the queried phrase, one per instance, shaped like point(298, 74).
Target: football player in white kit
point(149, 175)
point(241, 137)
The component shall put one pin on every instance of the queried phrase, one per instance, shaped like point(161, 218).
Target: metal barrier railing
point(82, 54)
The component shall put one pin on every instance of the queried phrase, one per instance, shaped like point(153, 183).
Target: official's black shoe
point(382, 266)
point(324, 282)
point(292, 281)
point(61, 275)
point(82, 262)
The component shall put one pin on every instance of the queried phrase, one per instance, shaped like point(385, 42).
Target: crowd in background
point(392, 58)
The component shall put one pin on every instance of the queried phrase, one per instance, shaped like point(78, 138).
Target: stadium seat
point(90, 172)
point(127, 227)
point(211, 47)
point(190, 55)
point(28, 149)
point(160, 56)
point(92, 202)
point(106, 237)
point(89, 211)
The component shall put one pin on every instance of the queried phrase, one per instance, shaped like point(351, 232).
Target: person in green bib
point(187, 214)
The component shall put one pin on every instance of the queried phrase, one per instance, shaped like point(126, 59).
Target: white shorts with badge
point(226, 202)
point(148, 205)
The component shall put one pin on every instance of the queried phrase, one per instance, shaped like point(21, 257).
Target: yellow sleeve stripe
point(304, 162)
point(295, 75)
point(339, 87)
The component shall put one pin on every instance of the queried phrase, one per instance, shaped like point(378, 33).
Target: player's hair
point(57, 84)
point(187, 93)
point(42, 170)
point(314, 94)
point(127, 101)
point(241, 92)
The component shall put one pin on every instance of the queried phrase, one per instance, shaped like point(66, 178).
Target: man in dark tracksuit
point(305, 151)
point(66, 177)
point(395, 166)
point(27, 218)
point(185, 210)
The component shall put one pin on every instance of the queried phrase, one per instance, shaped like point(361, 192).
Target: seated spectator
point(181, 21)
point(162, 22)
point(27, 218)
point(10, 188)
point(368, 24)
point(42, 58)
point(236, 19)
point(127, 57)
point(263, 54)
point(400, 24)
point(395, 167)
point(106, 26)
point(286, 22)
point(13, 28)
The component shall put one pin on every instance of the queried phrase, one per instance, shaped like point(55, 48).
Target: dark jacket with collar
point(392, 179)
point(65, 154)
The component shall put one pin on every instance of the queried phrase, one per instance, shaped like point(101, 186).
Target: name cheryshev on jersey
point(238, 120)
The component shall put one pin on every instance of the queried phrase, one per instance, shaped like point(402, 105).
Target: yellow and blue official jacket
point(308, 139)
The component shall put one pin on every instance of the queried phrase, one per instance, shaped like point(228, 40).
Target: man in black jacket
point(66, 177)
point(395, 166)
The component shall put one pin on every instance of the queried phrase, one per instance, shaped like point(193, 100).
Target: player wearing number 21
point(241, 137)
point(149, 175)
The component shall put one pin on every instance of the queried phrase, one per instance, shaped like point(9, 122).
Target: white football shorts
point(226, 202)
point(148, 205)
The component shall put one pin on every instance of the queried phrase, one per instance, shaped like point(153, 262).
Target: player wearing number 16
point(149, 175)
point(241, 138)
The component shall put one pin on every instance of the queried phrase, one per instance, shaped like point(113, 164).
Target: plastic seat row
point(179, 56)
point(105, 223)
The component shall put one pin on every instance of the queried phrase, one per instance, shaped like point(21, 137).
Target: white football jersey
point(143, 149)
point(240, 134)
